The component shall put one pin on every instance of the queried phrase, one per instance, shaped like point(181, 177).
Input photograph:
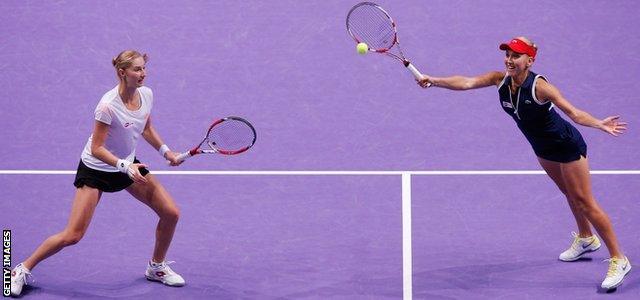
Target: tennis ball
point(362, 48)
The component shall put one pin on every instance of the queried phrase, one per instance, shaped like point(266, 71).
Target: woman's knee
point(171, 214)
point(585, 204)
point(71, 237)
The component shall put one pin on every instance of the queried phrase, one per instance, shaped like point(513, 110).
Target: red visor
point(519, 46)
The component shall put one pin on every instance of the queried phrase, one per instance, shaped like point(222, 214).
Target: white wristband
point(163, 149)
point(123, 165)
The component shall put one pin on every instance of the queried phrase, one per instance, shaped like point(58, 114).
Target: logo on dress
point(507, 104)
point(127, 124)
point(527, 101)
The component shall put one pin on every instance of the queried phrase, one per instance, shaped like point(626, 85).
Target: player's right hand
point(425, 82)
point(134, 173)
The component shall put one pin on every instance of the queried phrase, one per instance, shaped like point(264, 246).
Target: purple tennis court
point(361, 184)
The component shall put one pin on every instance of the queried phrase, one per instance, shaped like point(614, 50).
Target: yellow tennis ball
point(362, 48)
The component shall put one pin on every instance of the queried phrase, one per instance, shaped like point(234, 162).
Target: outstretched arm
point(461, 82)
point(610, 125)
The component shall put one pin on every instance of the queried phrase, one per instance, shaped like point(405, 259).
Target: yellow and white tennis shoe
point(579, 247)
point(163, 273)
point(618, 268)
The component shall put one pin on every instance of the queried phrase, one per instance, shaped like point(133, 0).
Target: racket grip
point(183, 156)
point(413, 70)
point(417, 74)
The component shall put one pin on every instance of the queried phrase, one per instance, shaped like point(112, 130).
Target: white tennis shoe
point(579, 247)
point(19, 276)
point(163, 273)
point(618, 268)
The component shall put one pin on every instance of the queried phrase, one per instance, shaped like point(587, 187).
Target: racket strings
point(231, 135)
point(371, 25)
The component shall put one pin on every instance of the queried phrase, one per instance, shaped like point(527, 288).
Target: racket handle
point(182, 156)
point(417, 74)
point(413, 70)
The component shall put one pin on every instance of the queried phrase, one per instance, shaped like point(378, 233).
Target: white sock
point(154, 264)
point(22, 263)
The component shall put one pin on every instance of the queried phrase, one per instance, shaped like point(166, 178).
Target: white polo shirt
point(125, 127)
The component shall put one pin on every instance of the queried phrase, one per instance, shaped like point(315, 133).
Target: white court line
point(407, 260)
point(427, 173)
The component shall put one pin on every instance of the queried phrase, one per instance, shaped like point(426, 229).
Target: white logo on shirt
point(507, 104)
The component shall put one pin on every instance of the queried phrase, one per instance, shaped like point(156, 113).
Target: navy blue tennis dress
point(551, 137)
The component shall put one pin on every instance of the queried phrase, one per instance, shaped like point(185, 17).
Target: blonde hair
point(123, 60)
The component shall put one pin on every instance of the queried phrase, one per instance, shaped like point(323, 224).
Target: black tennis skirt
point(565, 146)
point(105, 181)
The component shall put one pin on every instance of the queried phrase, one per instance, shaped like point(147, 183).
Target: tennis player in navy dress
point(531, 101)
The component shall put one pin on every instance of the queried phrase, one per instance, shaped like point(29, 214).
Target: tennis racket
point(368, 23)
point(228, 136)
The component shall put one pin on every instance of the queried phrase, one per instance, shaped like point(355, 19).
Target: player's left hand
point(172, 158)
point(612, 126)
